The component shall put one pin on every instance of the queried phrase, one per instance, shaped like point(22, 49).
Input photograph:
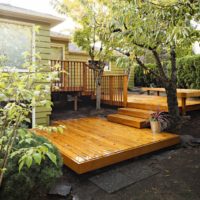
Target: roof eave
point(14, 12)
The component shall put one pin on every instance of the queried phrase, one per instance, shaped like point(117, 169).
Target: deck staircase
point(134, 117)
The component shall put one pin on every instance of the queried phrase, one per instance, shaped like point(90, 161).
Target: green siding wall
point(42, 46)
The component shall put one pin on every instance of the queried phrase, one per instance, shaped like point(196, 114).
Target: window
point(107, 67)
point(57, 51)
point(15, 39)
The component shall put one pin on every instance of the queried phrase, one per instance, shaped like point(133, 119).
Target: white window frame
point(9, 21)
point(108, 70)
point(59, 45)
point(105, 70)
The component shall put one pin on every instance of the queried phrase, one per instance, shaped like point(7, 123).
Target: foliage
point(20, 92)
point(161, 28)
point(188, 74)
point(163, 118)
point(131, 28)
point(144, 78)
point(90, 16)
point(30, 182)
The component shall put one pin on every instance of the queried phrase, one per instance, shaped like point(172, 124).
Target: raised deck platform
point(91, 143)
point(155, 103)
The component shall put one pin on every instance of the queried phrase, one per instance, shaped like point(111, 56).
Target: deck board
point(91, 143)
point(152, 102)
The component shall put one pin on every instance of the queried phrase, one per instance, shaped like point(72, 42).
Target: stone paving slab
point(114, 180)
point(111, 181)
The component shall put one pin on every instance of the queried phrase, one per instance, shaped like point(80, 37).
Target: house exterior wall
point(42, 45)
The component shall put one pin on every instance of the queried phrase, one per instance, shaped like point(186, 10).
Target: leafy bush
point(30, 181)
point(19, 94)
point(144, 78)
point(188, 74)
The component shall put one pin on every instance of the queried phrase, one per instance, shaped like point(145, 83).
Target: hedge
point(188, 74)
point(30, 183)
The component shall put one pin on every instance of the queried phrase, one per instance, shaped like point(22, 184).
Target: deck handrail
point(77, 76)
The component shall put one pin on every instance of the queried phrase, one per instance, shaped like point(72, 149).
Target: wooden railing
point(76, 76)
point(114, 89)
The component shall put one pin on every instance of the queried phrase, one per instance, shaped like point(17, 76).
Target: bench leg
point(183, 104)
point(76, 103)
point(158, 93)
point(148, 92)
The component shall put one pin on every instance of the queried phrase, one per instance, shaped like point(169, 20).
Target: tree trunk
point(1, 178)
point(98, 97)
point(172, 100)
point(98, 89)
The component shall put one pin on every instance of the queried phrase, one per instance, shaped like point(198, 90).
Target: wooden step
point(145, 114)
point(146, 106)
point(128, 120)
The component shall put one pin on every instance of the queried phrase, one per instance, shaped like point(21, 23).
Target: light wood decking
point(140, 107)
point(91, 143)
point(182, 94)
point(151, 102)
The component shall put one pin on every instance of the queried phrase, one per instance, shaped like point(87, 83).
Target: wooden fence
point(76, 76)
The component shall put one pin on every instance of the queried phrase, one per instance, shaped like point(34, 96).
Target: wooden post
point(111, 84)
point(158, 93)
point(65, 75)
point(76, 103)
point(125, 90)
point(183, 104)
point(84, 78)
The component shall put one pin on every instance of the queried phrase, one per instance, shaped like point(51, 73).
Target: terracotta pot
point(155, 126)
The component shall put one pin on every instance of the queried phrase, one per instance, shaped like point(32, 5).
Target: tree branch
point(159, 64)
point(147, 68)
point(173, 64)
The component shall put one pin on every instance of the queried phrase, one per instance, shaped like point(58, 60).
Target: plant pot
point(155, 126)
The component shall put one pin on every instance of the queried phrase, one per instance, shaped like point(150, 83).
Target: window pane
point(15, 39)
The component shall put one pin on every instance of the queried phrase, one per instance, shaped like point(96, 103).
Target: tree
point(19, 93)
point(154, 26)
point(89, 15)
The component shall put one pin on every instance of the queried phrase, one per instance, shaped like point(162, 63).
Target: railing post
point(65, 75)
point(125, 90)
point(111, 84)
point(84, 77)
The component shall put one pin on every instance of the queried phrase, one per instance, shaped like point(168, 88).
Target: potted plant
point(160, 121)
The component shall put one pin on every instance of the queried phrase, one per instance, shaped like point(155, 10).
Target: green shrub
point(188, 74)
point(144, 78)
point(33, 181)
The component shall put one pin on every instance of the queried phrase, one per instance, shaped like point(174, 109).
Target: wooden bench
point(183, 94)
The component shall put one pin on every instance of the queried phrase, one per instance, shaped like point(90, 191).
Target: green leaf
point(21, 164)
point(37, 158)
point(52, 157)
point(29, 161)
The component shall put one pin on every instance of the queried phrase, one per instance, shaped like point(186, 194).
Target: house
point(18, 30)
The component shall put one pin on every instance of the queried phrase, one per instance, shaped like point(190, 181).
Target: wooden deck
point(152, 102)
point(78, 77)
point(182, 94)
point(91, 143)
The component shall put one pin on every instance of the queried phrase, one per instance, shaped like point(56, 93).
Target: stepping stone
point(117, 179)
point(111, 181)
point(60, 190)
